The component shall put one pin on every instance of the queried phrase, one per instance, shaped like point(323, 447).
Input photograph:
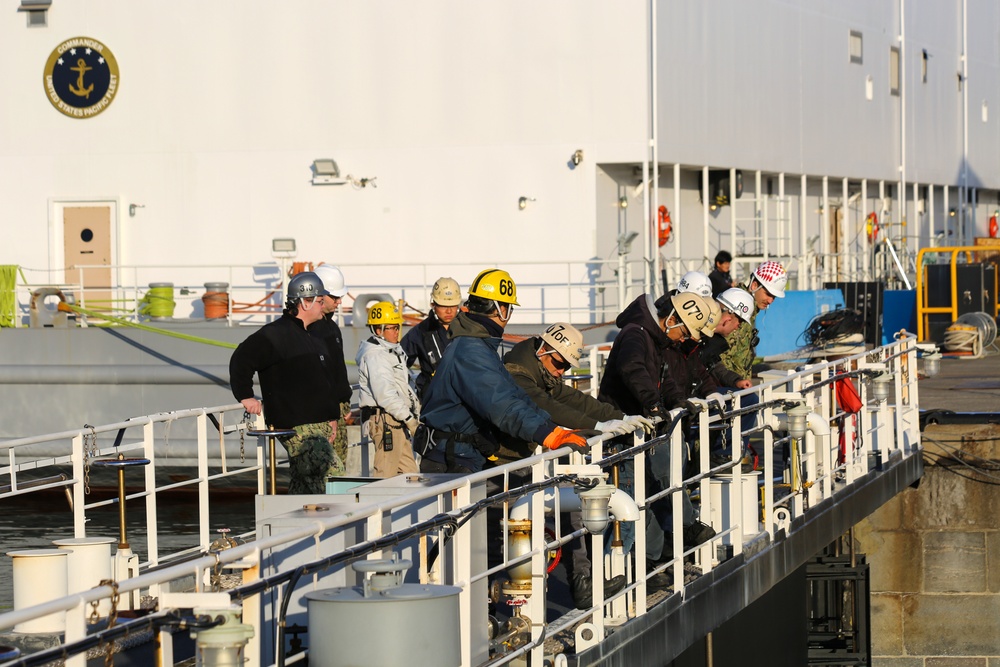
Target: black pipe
point(150, 623)
point(936, 416)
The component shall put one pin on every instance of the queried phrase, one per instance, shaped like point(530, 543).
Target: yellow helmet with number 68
point(382, 313)
point(495, 285)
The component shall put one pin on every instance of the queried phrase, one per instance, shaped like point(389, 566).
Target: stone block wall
point(935, 557)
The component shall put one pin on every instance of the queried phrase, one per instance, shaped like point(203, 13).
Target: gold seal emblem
point(81, 77)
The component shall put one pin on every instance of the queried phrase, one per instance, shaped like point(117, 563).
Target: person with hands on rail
point(647, 371)
point(472, 403)
point(538, 365)
point(767, 283)
point(297, 383)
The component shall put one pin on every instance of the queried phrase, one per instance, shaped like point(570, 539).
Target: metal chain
point(109, 647)
point(95, 616)
point(89, 452)
point(216, 578)
point(247, 423)
point(166, 434)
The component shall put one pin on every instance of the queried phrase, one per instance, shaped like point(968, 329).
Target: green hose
point(8, 300)
point(159, 300)
point(145, 327)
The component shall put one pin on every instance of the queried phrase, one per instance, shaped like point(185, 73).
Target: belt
point(369, 411)
point(439, 436)
point(481, 443)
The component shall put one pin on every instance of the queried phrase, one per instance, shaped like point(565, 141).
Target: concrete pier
point(935, 550)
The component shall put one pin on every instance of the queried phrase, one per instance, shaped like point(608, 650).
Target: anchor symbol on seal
point(81, 68)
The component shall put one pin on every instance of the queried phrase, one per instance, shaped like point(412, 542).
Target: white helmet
point(739, 301)
point(772, 276)
point(565, 339)
point(697, 283)
point(714, 317)
point(333, 279)
point(446, 292)
point(693, 311)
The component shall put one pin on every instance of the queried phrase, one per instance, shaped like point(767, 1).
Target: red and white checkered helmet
point(772, 276)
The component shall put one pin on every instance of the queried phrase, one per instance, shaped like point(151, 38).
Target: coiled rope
point(971, 334)
point(158, 301)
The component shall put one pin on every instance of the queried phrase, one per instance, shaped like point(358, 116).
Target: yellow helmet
point(382, 313)
point(495, 285)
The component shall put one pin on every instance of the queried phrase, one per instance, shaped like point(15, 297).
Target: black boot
point(697, 533)
point(660, 581)
point(583, 593)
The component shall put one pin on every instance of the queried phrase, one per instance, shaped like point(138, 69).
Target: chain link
point(109, 647)
point(95, 615)
point(216, 578)
point(89, 452)
point(247, 424)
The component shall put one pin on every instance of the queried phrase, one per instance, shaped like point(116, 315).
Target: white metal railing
point(886, 429)
point(27, 473)
point(591, 290)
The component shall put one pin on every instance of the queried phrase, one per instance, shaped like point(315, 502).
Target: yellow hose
point(8, 302)
point(71, 308)
point(158, 301)
point(145, 327)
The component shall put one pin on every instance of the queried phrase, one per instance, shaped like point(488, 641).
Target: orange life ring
point(871, 227)
point(663, 225)
point(993, 226)
point(299, 267)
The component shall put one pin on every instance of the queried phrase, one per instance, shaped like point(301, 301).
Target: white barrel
point(721, 488)
point(413, 624)
point(39, 576)
point(88, 564)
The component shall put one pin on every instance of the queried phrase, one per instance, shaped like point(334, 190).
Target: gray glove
point(694, 407)
point(614, 427)
point(411, 425)
point(638, 421)
point(718, 399)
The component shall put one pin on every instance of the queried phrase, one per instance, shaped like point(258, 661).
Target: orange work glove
point(562, 437)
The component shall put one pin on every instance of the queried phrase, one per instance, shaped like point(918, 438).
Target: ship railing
point(591, 291)
point(66, 461)
point(883, 430)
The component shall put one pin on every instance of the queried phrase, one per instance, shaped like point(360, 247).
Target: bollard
point(39, 576)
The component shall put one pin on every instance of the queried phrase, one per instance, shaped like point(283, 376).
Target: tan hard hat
point(565, 339)
point(446, 292)
point(693, 311)
point(714, 317)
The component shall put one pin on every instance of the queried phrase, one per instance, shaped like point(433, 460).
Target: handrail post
point(148, 452)
point(79, 499)
point(76, 630)
point(201, 423)
point(768, 503)
point(272, 458)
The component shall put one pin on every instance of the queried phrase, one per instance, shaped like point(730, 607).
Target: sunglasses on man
point(557, 361)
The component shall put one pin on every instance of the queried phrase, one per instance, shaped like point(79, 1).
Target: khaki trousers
point(399, 460)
